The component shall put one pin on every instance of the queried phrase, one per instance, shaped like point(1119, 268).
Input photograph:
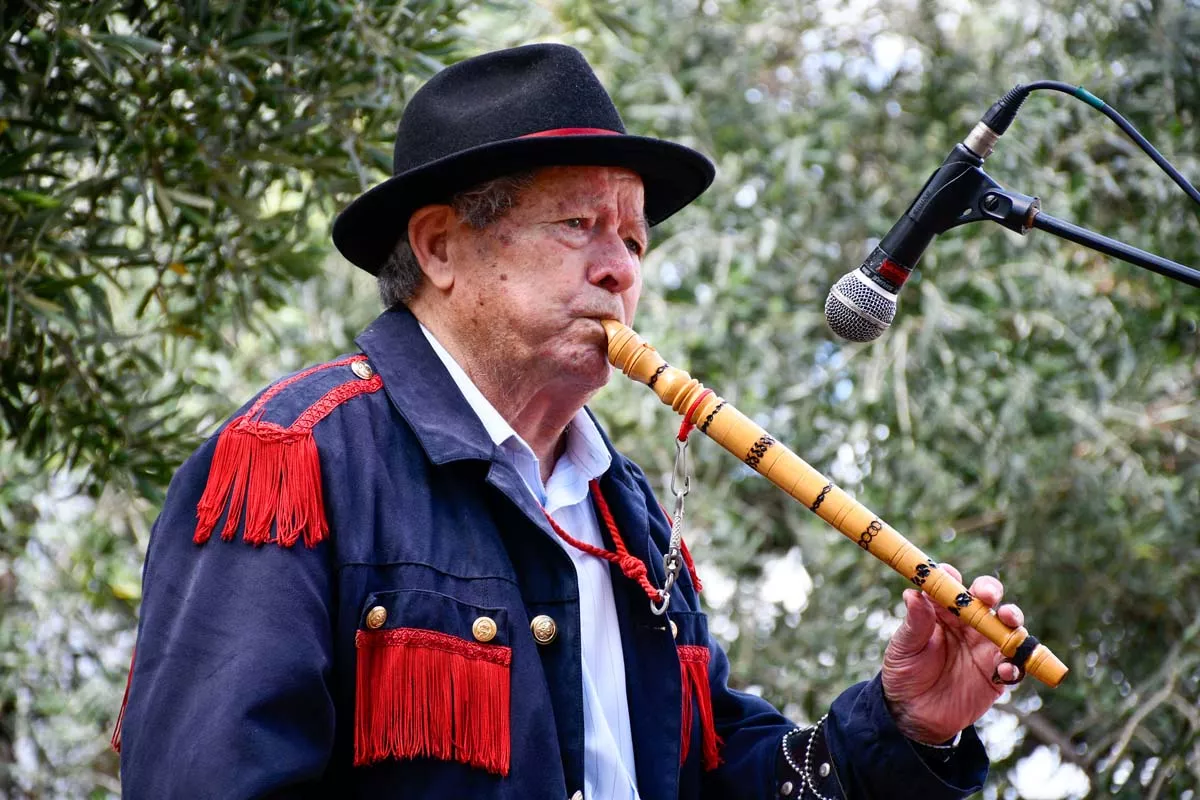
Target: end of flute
point(1046, 667)
point(612, 327)
point(623, 343)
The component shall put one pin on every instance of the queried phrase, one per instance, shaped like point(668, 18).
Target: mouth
point(601, 316)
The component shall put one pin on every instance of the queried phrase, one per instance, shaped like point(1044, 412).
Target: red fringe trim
point(272, 474)
point(115, 741)
point(425, 693)
point(693, 665)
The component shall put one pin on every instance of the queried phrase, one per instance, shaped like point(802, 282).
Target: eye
point(634, 246)
point(575, 223)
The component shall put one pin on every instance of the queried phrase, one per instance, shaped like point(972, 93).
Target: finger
point(988, 589)
point(1008, 671)
point(1011, 615)
point(954, 573)
point(913, 634)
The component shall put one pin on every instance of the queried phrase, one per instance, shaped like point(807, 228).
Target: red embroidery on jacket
point(433, 640)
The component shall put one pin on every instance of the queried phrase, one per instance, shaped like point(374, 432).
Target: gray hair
point(480, 206)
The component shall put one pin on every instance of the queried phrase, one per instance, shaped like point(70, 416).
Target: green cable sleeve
point(1089, 98)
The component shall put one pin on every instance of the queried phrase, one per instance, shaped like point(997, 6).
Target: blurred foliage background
point(169, 172)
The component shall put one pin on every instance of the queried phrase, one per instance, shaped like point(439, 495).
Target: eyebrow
point(645, 223)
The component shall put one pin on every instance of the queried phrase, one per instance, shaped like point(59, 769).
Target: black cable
point(1000, 115)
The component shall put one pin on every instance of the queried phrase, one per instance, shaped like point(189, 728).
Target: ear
point(428, 228)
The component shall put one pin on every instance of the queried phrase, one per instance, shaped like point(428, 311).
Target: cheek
point(630, 298)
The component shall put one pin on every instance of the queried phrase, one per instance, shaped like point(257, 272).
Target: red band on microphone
point(893, 272)
point(572, 132)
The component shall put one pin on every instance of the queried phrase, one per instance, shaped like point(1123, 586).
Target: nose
point(612, 266)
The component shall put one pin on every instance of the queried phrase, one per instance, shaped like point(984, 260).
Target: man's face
point(530, 289)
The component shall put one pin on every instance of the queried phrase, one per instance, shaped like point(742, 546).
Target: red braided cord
point(279, 387)
point(332, 399)
point(631, 566)
point(685, 429)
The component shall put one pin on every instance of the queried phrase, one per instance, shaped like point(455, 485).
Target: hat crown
point(498, 96)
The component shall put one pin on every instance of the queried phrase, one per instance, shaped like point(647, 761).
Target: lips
point(602, 314)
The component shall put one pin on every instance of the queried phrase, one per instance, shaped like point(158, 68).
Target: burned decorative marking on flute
point(866, 537)
point(708, 420)
point(961, 601)
point(654, 378)
point(758, 450)
point(821, 497)
point(923, 571)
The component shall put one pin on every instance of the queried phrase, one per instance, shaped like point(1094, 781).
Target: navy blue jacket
point(244, 682)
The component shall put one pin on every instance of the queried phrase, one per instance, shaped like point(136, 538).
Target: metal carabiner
point(680, 470)
point(659, 610)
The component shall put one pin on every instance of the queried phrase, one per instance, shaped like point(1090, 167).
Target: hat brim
point(366, 232)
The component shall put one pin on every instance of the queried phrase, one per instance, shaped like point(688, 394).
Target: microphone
point(862, 304)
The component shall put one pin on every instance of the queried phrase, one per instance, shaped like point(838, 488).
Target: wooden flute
point(739, 435)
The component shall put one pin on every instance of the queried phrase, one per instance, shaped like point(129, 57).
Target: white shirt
point(609, 771)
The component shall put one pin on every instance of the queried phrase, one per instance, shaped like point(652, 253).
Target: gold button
point(674, 630)
point(363, 370)
point(376, 617)
point(484, 629)
point(545, 630)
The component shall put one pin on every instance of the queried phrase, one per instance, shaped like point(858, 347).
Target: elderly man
point(422, 571)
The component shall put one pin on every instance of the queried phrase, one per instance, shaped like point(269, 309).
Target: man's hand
point(937, 671)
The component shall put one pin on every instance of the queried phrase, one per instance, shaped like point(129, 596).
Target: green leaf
point(189, 199)
point(135, 45)
point(259, 38)
point(34, 199)
point(42, 305)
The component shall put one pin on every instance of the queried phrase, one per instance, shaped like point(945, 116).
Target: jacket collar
point(422, 390)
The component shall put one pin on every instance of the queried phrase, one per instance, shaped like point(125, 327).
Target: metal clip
point(673, 560)
point(680, 471)
point(659, 610)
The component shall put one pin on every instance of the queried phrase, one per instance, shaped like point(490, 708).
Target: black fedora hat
point(504, 112)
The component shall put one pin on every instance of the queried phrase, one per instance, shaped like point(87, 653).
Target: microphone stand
point(1073, 233)
point(1021, 213)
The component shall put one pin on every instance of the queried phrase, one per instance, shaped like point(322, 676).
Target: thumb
point(913, 634)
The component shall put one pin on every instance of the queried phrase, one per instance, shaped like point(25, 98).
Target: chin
point(586, 367)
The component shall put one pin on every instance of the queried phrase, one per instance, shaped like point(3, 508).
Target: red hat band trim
point(572, 132)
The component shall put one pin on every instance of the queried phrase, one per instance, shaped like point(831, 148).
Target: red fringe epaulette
point(272, 474)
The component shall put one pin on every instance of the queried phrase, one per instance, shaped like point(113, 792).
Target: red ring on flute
point(686, 428)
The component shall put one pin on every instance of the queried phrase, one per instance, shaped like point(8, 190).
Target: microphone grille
point(857, 311)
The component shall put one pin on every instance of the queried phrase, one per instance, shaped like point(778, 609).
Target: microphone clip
point(960, 192)
point(990, 201)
